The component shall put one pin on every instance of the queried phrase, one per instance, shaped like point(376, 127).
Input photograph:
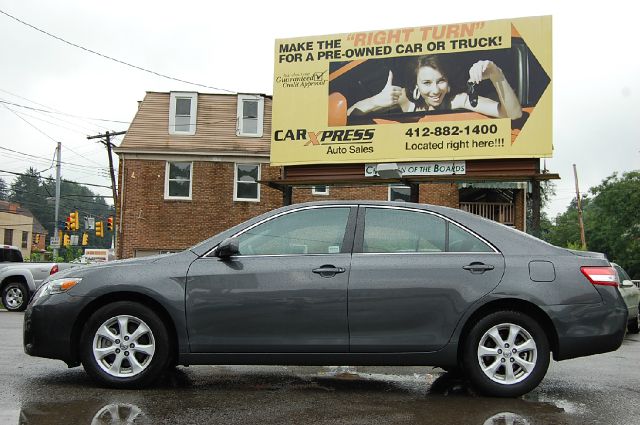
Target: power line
point(75, 130)
point(59, 113)
point(51, 178)
point(69, 198)
point(81, 169)
point(36, 128)
point(49, 107)
point(47, 159)
point(45, 134)
point(111, 58)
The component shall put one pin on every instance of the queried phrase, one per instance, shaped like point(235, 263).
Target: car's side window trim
point(347, 242)
point(359, 235)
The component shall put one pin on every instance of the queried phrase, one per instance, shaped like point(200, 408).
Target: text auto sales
point(316, 138)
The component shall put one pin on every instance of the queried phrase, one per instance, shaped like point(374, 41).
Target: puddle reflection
point(82, 413)
point(280, 396)
point(116, 414)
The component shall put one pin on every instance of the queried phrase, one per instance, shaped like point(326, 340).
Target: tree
point(547, 190)
point(611, 216)
point(566, 230)
point(612, 220)
point(4, 193)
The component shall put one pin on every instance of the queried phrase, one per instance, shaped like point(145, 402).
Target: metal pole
point(57, 212)
point(583, 239)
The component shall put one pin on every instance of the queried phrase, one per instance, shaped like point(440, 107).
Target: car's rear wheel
point(125, 345)
point(506, 354)
point(15, 296)
point(633, 327)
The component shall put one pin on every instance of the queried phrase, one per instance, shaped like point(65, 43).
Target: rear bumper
point(588, 329)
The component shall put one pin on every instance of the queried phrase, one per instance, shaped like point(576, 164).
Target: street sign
point(89, 223)
point(74, 240)
point(55, 242)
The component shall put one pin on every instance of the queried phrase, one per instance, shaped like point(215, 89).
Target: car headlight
point(57, 286)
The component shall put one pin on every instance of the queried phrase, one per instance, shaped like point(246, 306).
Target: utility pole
point(106, 140)
point(580, 222)
point(57, 212)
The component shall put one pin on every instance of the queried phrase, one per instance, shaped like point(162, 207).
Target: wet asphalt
point(602, 389)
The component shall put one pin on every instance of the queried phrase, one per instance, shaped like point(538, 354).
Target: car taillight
point(600, 275)
point(54, 269)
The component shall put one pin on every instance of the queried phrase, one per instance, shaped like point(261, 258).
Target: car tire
point(125, 345)
point(506, 354)
point(15, 296)
point(633, 327)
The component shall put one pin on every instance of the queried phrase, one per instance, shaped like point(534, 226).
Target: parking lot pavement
point(596, 389)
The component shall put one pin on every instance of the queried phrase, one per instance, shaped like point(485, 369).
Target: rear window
point(10, 255)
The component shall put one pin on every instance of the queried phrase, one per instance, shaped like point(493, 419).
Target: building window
point(250, 114)
point(182, 113)
point(246, 186)
point(400, 193)
point(320, 190)
point(8, 236)
point(25, 239)
point(178, 178)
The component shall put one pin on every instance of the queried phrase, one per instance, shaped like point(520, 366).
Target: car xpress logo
point(324, 136)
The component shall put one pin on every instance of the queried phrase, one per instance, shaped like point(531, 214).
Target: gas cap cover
point(542, 271)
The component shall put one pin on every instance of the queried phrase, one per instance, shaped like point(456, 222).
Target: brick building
point(194, 164)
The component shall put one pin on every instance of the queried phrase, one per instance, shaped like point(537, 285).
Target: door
point(286, 291)
point(413, 275)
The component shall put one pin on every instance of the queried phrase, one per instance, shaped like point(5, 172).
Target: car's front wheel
point(506, 354)
point(125, 345)
point(15, 296)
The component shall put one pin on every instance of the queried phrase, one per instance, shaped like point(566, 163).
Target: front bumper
point(48, 328)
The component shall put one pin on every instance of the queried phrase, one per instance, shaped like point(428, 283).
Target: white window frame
point(192, 118)
point(396, 186)
point(239, 127)
point(235, 182)
point(314, 191)
point(166, 182)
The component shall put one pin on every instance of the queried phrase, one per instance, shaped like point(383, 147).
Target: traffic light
point(110, 224)
point(85, 239)
point(37, 238)
point(67, 224)
point(99, 229)
point(75, 220)
point(67, 240)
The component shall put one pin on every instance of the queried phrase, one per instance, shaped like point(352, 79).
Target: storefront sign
point(423, 168)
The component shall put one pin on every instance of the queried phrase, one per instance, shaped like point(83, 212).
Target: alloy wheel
point(507, 353)
point(123, 346)
point(14, 298)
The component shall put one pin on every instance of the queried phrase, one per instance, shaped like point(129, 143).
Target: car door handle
point(476, 267)
point(328, 270)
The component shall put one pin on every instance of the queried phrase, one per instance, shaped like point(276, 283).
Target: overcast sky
point(229, 45)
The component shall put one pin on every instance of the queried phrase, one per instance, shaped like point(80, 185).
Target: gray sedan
point(358, 283)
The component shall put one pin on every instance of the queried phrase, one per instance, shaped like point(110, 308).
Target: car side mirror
point(627, 284)
point(227, 248)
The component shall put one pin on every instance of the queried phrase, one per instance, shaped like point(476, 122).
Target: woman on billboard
point(432, 91)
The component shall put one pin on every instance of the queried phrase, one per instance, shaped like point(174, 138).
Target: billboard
point(476, 90)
